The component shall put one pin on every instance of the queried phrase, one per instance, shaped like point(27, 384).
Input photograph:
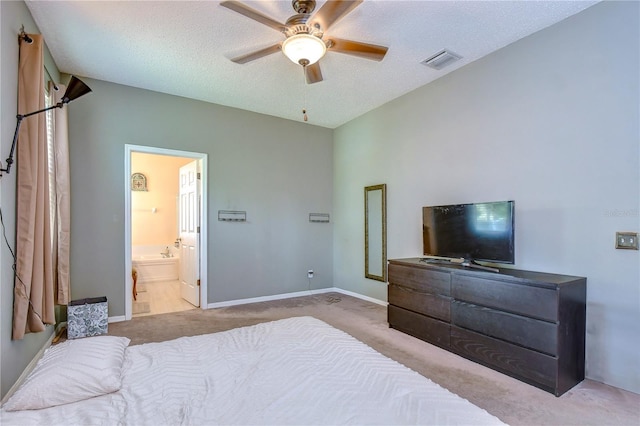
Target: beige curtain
point(33, 305)
point(61, 186)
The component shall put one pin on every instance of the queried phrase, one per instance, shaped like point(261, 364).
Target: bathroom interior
point(155, 250)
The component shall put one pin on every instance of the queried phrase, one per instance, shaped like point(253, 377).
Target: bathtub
point(154, 267)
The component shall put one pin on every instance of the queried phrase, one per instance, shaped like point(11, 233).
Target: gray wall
point(278, 171)
point(550, 121)
point(14, 355)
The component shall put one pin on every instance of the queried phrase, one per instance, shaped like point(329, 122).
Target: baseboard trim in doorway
point(294, 294)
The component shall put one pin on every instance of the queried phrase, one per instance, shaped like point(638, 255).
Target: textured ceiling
point(183, 48)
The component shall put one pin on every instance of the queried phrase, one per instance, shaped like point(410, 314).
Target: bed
point(293, 371)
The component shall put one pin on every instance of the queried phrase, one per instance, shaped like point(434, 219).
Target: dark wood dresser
point(529, 325)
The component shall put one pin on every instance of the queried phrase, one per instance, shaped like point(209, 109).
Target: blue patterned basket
point(87, 317)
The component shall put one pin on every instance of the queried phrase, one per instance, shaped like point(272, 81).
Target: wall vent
point(441, 59)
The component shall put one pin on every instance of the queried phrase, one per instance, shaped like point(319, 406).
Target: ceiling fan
point(305, 41)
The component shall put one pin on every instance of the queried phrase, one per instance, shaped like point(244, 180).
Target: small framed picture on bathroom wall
point(138, 182)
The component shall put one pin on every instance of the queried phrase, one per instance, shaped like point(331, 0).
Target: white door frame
point(128, 287)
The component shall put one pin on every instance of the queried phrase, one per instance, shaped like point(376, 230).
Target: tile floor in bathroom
point(161, 297)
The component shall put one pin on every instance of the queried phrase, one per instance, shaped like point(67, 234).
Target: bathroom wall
point(154, 212)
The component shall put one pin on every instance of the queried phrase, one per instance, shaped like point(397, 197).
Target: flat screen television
point(471, 232)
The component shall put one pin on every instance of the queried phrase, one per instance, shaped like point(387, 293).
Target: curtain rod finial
point(24, 36)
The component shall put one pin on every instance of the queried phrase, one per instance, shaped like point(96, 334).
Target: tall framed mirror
point(375, 232)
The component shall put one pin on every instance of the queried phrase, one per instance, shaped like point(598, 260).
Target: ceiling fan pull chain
point(304, 104)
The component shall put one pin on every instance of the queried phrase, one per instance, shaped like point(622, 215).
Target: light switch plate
point(627, 240)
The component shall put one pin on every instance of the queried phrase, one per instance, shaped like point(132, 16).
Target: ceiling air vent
point(441, 59)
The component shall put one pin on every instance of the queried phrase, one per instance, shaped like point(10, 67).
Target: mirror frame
point(383, 227)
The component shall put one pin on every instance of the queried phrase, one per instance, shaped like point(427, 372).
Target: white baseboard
point(266, 298)
point(116, 319)
point(290, 295)
point(361, 296)
point(29, 368)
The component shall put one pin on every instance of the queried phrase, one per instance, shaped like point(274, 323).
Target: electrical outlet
point(627, 240)
point(310, 273)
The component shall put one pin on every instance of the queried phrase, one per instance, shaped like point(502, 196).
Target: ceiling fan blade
point(356, 48)
point(257, 54)
point(253, 14)
point(312, 73)
point(331, 12)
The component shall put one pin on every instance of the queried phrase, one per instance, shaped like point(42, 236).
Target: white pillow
point(72, 371)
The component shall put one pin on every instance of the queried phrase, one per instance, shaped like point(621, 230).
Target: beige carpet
point(515, 403)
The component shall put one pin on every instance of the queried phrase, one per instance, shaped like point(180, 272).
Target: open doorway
point(165, 238)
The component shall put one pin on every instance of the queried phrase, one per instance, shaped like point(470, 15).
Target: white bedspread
point(293, 371)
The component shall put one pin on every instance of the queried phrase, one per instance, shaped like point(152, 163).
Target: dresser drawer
point(530, 366)
point(535, 302)
point(523, 331)
point(432, 305)
point(420, 326)
point(420, 279)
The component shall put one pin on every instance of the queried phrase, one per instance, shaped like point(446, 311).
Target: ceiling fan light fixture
point(304, 49)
